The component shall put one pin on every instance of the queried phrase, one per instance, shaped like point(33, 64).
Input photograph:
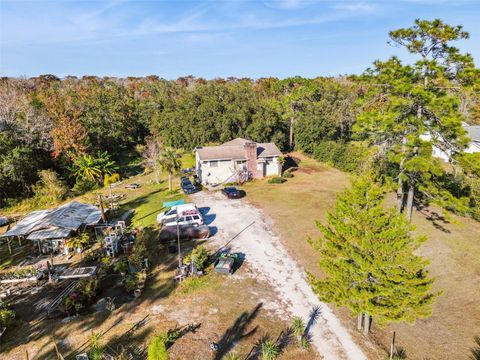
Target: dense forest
point(62, 125)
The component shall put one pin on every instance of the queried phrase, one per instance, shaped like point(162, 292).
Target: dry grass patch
point(452, 247)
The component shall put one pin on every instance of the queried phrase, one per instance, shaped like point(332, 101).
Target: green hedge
point(346, 156)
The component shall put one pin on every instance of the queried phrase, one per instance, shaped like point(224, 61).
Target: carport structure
point(50, 228)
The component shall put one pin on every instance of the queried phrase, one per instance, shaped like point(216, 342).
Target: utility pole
point(178, 244)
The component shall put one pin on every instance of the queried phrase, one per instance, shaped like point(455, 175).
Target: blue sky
point(212, 38)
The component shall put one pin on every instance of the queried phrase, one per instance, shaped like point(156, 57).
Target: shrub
point(346, 156)
point(200, 257)
point(82, 296)
point(49, 190)
point(111, 179)
point(287, 175)
point(157, 349)
point(121, 265)
point(131, 282)
point(96, 349)
point(276, 180)
point(269, 350)
point(7, 316)
point(82, 186)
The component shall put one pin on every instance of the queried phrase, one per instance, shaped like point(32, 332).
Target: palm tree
point(91, 168)
point(169, 161)
point(86, 167)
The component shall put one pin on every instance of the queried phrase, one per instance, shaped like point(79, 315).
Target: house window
point(214, 163)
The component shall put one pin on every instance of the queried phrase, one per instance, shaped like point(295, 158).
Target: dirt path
point(243, 228)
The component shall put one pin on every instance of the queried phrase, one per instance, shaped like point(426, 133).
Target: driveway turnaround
point(243, 228)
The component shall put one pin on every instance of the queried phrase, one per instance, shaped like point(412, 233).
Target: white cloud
point(355, 7)
point(288, 4)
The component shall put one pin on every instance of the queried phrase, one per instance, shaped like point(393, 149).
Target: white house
point(236, 160)
point(474, 146)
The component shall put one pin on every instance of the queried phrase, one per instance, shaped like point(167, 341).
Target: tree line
point(64, 124)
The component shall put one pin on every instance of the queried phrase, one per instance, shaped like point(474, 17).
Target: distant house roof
point(235, 150)
point(55, 223)
point(473, 132)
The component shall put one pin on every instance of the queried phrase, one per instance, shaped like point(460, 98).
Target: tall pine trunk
point(410, 197)
point(290, 138)
point(401, 190)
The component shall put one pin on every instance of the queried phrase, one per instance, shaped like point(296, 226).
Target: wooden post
point(102, 212)
point(392, 346)
point(26, 354)
point(359, 321)
point(366, 325)
point(8, 244)
point(111, 197)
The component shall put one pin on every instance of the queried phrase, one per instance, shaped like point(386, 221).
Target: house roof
point(221, 152)
point(237, 141)
point(235, 150)
point(473, 132)
point(268, 149)
point(58, 221)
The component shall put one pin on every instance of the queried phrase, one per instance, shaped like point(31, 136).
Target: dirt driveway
point(244, 228)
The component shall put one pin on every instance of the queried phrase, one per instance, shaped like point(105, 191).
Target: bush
point(121, 265)
point(269, 350)
point(49, 190)
point(82, 186)
point(276, 180)
point(200, 257)
point(111, 179)
point(287, 175)
point(7, 316)
point(346, 156)
point(80, 297)
point(157, 349)
point(131, 282)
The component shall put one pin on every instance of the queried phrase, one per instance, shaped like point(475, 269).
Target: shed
point(49, 228)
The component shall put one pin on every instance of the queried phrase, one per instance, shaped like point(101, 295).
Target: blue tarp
point(173, 203)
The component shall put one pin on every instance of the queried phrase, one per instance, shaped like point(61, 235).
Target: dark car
point(231, 192)
point(188, 187)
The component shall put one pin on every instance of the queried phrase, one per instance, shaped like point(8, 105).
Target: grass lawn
point(234, 311)
point(452, 247)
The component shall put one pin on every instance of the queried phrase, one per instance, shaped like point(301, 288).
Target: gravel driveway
point(241, 227)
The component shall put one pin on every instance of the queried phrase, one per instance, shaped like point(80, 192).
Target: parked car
point(185, 218)
point(188, 187)
point(172, 212)
point(231, 192)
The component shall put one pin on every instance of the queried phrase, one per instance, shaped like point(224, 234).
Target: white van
point(189, 217)
point(174, 210)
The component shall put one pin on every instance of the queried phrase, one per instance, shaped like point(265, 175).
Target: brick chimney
point(251, 155)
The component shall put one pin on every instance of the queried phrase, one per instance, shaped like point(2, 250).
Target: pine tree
point(367, 255)
point(419, 108)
